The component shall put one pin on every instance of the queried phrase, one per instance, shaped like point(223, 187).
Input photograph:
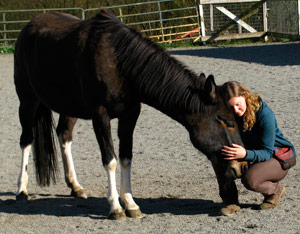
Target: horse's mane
point(159, 79)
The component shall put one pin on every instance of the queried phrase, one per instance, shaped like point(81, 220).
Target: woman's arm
point(266, 124)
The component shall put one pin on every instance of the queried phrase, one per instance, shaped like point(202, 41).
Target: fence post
point(211, 12)
point(4, 29)
point(299, 17)
point(161, 22)
point(265, 19)
point(121, 14)
point(83, 14)
point(201, 15)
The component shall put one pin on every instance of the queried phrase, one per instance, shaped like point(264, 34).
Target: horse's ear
point(211, 88)
point(202, 76)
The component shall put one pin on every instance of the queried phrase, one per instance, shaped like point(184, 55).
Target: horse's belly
point(63, 98)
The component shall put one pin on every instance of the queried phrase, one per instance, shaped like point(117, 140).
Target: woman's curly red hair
point(253, 101)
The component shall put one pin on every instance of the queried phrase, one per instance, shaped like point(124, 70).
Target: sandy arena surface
point(172, 182)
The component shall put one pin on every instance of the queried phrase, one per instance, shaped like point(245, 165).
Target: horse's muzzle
point(238, 168)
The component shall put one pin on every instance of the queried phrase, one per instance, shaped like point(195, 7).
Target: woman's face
point(238, 104)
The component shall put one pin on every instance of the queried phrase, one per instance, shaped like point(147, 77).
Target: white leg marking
point(112, 195)
point(23, 177)
point(70, 174)
point(126, 194)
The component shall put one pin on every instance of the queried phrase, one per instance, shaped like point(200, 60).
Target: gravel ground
point(172, 182)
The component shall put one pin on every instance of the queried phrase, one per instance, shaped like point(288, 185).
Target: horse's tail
point(44, 149)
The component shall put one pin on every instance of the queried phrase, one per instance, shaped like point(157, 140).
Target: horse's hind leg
point(64, 131)
point(125, 132)
point(27, 110)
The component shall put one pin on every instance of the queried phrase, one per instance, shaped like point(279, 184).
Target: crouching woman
point(261, 136)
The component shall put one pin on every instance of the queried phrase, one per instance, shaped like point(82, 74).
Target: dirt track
point(173, 184)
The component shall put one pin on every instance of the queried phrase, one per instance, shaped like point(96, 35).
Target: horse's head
point(211, 130)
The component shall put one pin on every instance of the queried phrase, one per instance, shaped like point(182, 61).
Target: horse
point(100, 69)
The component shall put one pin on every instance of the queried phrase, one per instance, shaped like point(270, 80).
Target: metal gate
point(232, 19)
point(163, 21)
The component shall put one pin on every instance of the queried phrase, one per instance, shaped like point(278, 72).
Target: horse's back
point(46, 62)
point(52, 24)
point(42, 29)
point(69, 64)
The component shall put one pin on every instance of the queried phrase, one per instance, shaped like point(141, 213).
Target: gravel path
point(174, 185)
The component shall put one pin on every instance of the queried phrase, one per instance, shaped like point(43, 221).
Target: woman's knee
point(250, 182)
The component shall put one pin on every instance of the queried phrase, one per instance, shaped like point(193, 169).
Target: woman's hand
point(234, 152)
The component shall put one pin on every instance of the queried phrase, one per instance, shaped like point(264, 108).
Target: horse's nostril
point(234, 173)
point(244, 168)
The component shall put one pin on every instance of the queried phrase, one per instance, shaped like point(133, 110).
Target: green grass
point(179, 44)
point(183, 44)
point(253, 41)
point(7, 50)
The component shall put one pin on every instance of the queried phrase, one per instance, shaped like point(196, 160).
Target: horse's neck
point(159, 79)
point(172, 99)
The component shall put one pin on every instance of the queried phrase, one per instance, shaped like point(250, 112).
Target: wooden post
point(239, 28)
point(4, 29)
point(201, 14)
point(299, 16)
point(211, 9)
point(265, 19)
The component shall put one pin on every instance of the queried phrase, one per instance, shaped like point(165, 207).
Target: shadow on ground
point(98, 208)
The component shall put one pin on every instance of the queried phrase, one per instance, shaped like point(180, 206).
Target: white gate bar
point(236, 19)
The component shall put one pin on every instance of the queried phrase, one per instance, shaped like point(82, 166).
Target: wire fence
point(284, 16)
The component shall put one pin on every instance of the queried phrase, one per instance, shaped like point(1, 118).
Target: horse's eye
point(227, 123)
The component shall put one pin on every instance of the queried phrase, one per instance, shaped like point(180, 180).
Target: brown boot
point(272, 201)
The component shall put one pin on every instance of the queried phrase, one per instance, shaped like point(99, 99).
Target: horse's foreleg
point(64, 131)
point(131, 208)
point(102, 128)
point(227, 190)
point(116, 211)
point(125, 132)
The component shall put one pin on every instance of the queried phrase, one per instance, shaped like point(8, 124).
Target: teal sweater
point(263, 137)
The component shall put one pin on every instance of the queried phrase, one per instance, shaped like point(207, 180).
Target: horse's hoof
point(137, 214)
point(117, 215)
point(79, 194)
point(230, 210)
point(22, 197)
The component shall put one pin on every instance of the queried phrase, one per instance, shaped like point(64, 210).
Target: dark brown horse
point(100, 69)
